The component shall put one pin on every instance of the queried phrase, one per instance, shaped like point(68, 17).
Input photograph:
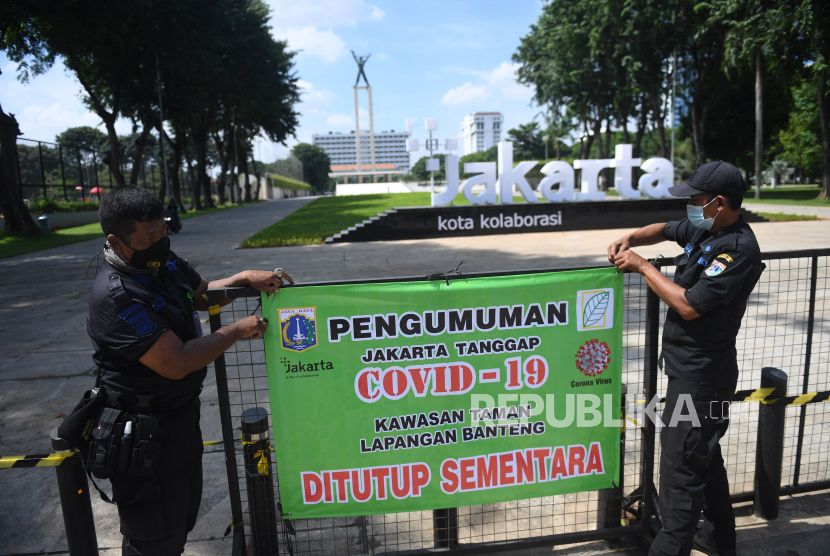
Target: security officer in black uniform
point(719, 267)
point(152, 358)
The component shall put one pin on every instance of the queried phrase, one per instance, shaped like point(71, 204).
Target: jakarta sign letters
point(409, 396)
point(558, 184)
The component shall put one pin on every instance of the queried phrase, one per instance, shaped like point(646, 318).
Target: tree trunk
point(256, 173)
point(698, 127)
point(661, 130)
point(641, 131)
point(115, 151)
point(224, 160)
point(243, 167)
point(195, 202)
point(16, 217)
point(608, 138)
point(138, 163)
point(824, 111)
point(202, 180)
point(175, 184)
point(598, 136)
point(759, 121)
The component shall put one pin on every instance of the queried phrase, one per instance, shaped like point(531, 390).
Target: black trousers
point(158, 524)
point(692, 474)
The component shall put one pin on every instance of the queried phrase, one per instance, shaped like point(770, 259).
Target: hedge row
point(288, 183)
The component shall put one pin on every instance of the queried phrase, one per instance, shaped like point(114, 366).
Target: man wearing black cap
point(719, 267)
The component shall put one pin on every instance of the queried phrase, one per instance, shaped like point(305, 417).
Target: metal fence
point(785, 326)
point(74, 174)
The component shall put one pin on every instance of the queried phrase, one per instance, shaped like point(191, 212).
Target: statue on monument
point(361, 61)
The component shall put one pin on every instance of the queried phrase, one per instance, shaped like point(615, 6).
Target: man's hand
point(629, 260)
point(619, 246)
point(265, 281)
point(251, 327)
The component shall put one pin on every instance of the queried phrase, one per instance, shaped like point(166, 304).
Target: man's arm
point(668, 291)
point(173, 359)
point(261, 280)
point(647, 235)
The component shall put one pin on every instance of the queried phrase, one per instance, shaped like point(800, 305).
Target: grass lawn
point(326, 216)
point(18, 244)
point(807, 196)
point(777, 217)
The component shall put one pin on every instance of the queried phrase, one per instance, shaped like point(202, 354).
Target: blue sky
point(428, 59)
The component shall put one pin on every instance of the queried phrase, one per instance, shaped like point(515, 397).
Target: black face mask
point(153, 257)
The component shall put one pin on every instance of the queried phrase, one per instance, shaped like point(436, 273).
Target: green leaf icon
point(593, 311)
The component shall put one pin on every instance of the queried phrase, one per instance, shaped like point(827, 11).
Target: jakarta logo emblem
point(298, 328)
point(595, 309)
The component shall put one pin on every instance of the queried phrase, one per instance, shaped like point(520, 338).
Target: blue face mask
point(695, 215)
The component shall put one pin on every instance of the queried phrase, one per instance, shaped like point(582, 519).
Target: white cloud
point(344, 121)
point(38, 122)
point(312, 98)
point(382, 56)
point(340, 120)
point(503, 77)
point(498, 82)
point(322, 13)
point(312, 41)
point(466, 94)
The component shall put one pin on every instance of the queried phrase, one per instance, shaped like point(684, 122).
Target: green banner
point(418, 395)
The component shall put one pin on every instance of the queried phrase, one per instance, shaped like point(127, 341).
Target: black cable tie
point(258, 305)
point(446, 274)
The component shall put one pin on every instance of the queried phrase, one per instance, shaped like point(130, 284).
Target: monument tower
point(361, 61)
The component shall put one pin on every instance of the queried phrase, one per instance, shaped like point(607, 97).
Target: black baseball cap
point(720, 178)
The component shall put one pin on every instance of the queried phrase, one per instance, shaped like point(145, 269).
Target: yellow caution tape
point(214, 310)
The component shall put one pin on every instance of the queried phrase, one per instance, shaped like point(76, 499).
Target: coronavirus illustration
point(593, 357)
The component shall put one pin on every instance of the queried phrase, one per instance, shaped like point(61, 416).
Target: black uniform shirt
point(718, 272)
point(128, 313)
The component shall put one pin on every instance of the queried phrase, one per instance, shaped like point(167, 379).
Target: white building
point(481, 130)
point(390, 148)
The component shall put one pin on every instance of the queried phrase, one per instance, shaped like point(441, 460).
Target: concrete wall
point(371, 188)
point(62, 220)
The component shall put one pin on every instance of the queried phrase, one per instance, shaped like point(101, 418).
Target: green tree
point(316, 166)
point(757, 30)
point(801, 140)
point(812, 22)
point(419, 169)
point(527, 142)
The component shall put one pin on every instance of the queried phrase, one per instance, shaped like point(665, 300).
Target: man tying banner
point(715, 275)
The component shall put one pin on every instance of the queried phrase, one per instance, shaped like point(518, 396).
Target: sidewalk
point(820, 212)
point(46, 365)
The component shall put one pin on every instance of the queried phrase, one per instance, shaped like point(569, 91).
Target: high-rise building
point(390, 148)
point(481, 131)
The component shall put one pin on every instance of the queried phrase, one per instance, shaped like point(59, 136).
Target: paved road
point(45, 363)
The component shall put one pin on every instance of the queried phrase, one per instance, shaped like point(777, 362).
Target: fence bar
point(769, 449)
point(81, 175)
point(227, 441)
point(97, 180)
point(445, 528)
point(808, 352)
point(610, 503)
point(76, 506)
point(17, 160)
point(42, 171)
point(649, 506)
point(63, 175)
point(262, 508)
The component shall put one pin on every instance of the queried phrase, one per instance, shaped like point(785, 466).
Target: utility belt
point(120, 434)
point(148, 403)
point(126, 440)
